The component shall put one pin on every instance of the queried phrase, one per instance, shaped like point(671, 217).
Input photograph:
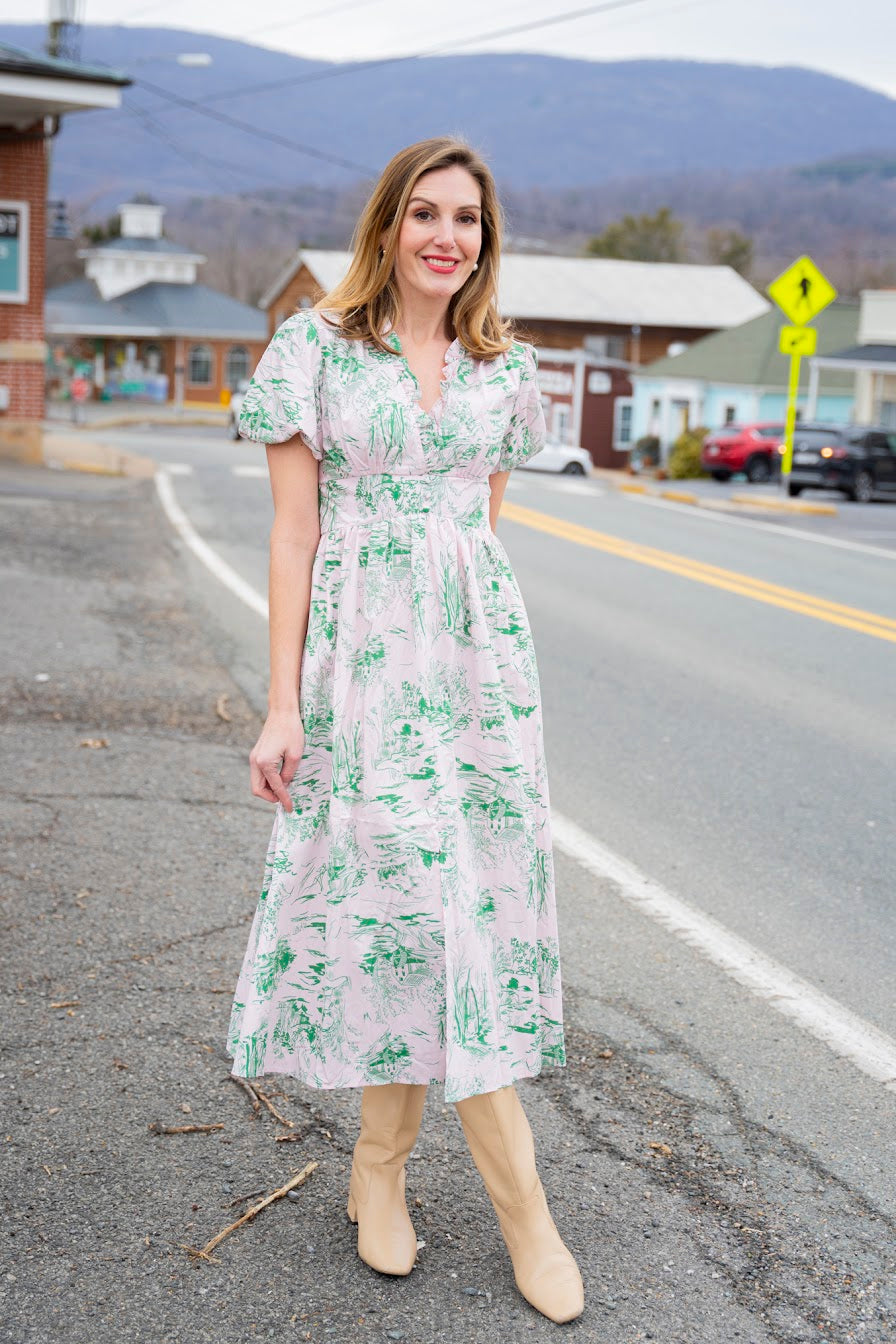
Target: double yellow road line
point(773, 594)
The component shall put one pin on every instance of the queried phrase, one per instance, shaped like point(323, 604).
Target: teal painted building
point(739, 376)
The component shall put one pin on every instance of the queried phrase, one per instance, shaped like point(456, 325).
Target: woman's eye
point(419, 214)
point(468, 219)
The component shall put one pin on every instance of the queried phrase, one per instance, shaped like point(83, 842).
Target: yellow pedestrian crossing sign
point(802, 291)
point(798, 340)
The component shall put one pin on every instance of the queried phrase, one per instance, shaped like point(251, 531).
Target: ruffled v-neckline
point(453, 356)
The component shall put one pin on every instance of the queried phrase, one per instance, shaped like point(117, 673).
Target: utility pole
point(64, 29)
point(63, 43)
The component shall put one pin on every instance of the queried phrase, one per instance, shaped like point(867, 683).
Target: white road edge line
point(201, 549)
point(252, 470)
point(842, 1031)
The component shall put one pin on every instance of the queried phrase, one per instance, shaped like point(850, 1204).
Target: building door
point(681, 417)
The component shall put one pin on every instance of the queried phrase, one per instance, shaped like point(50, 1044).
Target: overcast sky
point(852, 38)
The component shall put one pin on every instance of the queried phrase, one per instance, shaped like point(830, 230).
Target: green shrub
point(684, 459)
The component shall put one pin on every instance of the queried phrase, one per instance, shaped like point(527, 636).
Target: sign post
point(801, 292)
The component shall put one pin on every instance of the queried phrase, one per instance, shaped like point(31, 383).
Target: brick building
point(593, 321)
point(35, 92)
point(144, 326)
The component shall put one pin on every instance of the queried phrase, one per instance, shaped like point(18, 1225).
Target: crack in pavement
point(746, 1222)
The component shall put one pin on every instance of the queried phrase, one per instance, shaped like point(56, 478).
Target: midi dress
point(406, 929)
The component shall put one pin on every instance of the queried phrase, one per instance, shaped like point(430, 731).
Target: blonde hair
point(367, 298)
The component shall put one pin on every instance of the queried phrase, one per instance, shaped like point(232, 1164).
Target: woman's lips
point(442, 266)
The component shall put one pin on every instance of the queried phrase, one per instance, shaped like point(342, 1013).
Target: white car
point(562, 457)
point(236, 401)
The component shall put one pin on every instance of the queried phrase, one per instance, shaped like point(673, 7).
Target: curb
point(64, 452)
point(730, 504)
point(208, 419)
point(787, 505)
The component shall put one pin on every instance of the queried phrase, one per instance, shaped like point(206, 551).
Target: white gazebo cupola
point(140, 256)
point(141, 219)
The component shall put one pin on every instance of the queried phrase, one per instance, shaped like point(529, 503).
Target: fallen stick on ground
point(241, 1199)
point(266, 1101)
point(261, 1098)
point(205, 1252)
point(156, 1128)
point(249, 1091)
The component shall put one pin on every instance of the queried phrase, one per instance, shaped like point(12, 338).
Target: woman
point(406, 931)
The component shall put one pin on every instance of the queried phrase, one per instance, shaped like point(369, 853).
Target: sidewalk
point(747, 500)
point(115, 414)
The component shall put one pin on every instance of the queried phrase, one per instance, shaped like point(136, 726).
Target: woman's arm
point(497, 482)
point(295, 535)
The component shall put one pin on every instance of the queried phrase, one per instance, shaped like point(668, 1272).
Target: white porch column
point(812, 395)
point(578, 397)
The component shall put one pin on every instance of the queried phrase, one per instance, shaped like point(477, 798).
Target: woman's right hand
point(274, 759)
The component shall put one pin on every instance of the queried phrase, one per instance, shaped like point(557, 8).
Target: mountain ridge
point(545, 122)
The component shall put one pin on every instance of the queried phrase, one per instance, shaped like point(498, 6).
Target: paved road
point(750, 747)
point(707, 1159)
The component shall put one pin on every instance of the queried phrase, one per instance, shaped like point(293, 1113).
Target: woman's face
point(441, 234)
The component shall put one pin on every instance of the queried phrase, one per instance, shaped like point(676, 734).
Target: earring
point(475, 265)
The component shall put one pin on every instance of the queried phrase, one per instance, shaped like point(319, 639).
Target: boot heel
point(352, 1209)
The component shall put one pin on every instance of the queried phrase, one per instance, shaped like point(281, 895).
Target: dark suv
point(857, 459)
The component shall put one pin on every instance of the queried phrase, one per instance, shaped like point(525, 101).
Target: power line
point(357, 67)
point(195, 157)
point(265, 134)
point(271, 137)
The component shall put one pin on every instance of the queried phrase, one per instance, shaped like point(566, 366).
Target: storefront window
point(237, 369)
point(199, 366)
point(623, 414)
point(152, 357)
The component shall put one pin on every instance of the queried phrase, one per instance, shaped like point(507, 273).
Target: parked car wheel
point(573, 469)
point(794, 490)
point(721, 475)
point(862, 487)
point(758, 469)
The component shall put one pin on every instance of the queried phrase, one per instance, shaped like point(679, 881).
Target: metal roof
point(589, 289)
point(626, 293)
point(748, 355)
point(865, 354)
point(141, 245)
point(18, 61)
point(155, 309)
point(328, 268)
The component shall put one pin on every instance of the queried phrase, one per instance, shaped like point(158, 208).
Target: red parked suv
point(752, 449)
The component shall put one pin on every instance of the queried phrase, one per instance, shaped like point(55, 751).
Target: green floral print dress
point(406, 929)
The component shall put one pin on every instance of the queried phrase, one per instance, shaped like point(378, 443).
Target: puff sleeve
point(526, 432)
point(283, 398)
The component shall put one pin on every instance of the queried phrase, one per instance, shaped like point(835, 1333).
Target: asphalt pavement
point(707, 1189)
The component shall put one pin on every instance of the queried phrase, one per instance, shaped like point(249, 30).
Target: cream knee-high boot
point(503, 1149)
point(390, 1121)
